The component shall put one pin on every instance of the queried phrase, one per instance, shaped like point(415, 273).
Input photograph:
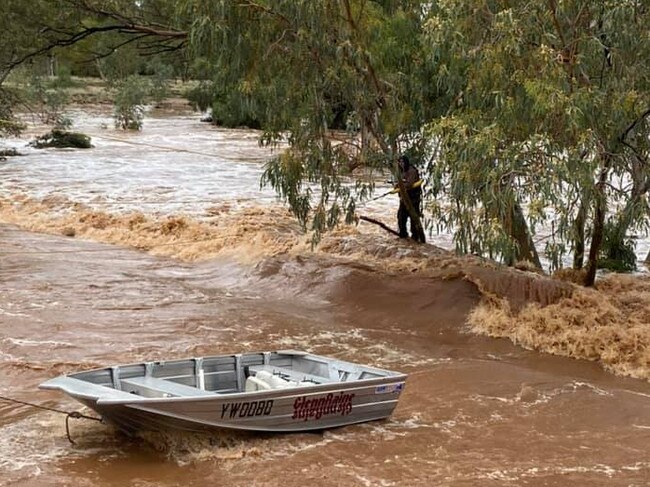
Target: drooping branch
point(377, 222)
point(634, 124)
point(164, 38)
point(101, 55)
point(70, 40)
point(136, 30)
point(135, 24)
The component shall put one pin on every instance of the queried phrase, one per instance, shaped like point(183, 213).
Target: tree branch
point(128, 23)
point(634, 124)
point(377, 222)
point(73, 38)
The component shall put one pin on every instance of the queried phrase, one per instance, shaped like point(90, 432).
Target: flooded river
point(475, 411)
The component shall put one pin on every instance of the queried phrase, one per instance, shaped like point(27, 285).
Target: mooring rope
point(166, 148)
point(68, 414)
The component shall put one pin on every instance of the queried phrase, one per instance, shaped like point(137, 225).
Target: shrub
point(129, 103)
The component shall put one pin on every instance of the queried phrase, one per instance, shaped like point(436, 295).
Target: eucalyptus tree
point(19, 34)
point(532, 111)
point(550, 99)
point(296, 65)
point(39, 28)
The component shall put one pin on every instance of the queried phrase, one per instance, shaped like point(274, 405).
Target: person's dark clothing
point(410, 176)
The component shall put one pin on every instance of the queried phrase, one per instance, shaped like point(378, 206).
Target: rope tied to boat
point(68, 414)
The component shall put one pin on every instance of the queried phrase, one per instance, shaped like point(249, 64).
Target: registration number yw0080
point(246, 409)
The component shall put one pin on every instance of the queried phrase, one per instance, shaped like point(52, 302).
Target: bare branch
point(69, 41)
point(634, 124)
point(97, 56)
point(377, 222)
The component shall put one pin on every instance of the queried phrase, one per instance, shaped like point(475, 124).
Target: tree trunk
point(514, 223)
point(51, 65)
point(647, 259)
point(627, 216)
point(365, 140)
point(599, 224)
point(98, 64)
point(520, 233)
point(579, 235)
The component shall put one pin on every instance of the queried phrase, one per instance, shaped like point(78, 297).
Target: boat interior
point(226, 374)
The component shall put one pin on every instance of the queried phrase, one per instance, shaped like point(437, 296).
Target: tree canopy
point(551, 113)
point(520, 114)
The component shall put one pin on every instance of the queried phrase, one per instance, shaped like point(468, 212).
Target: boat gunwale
point(386, 376)
point(272, 394)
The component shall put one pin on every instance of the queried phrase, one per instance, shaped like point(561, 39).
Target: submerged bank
point(607, 324)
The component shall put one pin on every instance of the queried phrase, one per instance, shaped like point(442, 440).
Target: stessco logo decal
point(304, 408)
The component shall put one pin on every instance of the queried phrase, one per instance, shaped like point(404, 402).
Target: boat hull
point(149, 402)
point(301, 410)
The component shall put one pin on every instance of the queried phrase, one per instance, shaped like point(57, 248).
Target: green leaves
point(523, 114)
point(543, 95)
point(130, 98)
point(302, 69)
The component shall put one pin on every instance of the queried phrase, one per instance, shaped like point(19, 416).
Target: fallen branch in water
point(377, 222)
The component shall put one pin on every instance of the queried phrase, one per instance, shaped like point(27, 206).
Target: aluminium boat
point(280, 391)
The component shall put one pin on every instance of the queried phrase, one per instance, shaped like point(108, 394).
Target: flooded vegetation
point(608, 324)
point(137, 251)
point(224, 177)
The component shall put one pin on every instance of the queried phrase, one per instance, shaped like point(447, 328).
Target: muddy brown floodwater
point(476, 410)
point(232, 274)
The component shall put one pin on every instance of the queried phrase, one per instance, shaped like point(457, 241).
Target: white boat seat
point(253, 383)
point(148, 386)
point(292, 375)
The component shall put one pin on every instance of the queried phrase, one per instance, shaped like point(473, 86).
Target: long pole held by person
point(417, 184)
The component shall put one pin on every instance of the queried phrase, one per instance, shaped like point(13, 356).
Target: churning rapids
point(161, 244)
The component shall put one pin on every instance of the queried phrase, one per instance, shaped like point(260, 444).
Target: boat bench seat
point(293, 375)
point(148, 386)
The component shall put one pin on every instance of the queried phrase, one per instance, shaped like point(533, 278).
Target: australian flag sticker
point(386, 389)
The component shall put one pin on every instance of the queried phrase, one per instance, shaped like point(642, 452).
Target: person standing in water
point(411, 179)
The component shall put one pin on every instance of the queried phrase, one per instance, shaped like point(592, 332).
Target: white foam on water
point(16, 315)
point(530, 397)
point(29, 444)
point(312, 342)
point(518, 473)
point(578, 385)
point(636, 467)
point(393, 428)
point(373, 482)
point(636, 393)
point(23, 342)
point(7, 357)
